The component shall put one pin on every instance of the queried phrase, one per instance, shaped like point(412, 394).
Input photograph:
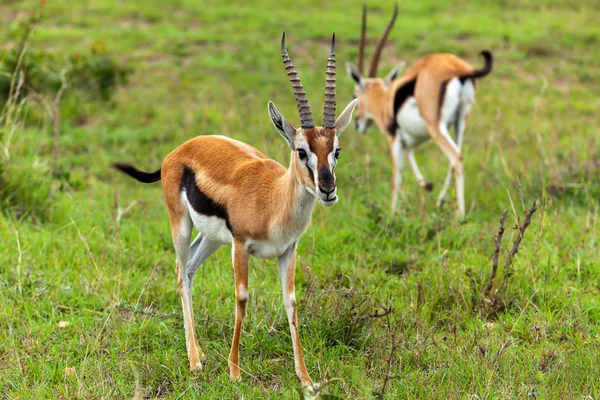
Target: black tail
point(145, 177)
point(487, 67)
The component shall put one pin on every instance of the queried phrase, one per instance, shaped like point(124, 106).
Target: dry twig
point(389, 366)
point(517, 242)
point(495, 300)
point(378, 314)
point(53, 111)
point(498, 244)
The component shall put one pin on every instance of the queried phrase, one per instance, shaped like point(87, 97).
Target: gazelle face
point(372, 95)
point(315, 152)
point(316, 155)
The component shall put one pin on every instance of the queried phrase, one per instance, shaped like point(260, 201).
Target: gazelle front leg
point(410, 155)
point(397, 151)
point(240, 271)
point(459, 129)
point(287, 273)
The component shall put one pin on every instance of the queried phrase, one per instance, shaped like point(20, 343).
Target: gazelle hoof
point(234, 372)
point(307, 383)
point(428, 186)
point(195, 366)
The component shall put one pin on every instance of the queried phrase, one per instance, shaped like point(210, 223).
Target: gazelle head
point(371, 91)
point(315, 149)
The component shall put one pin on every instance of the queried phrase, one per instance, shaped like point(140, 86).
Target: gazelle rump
point(233, 194)
point(433, 95)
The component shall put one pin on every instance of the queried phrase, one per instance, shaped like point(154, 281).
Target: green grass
point(210, 67)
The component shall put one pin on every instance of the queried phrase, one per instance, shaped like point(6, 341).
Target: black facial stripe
point(441, 96)
point(199, 201)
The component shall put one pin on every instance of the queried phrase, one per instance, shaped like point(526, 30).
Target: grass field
point(201, 67)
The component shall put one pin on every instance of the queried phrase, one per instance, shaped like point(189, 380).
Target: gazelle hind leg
point(440, 134)
point(200, 250)
point(459, 127)
point(181, 227)
point(445, 187)
point(396, 148)
point(467, 98)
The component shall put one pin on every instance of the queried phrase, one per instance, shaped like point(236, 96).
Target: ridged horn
point(306, 119)
point(377, 55)
point(329, 108)
point(363, 38)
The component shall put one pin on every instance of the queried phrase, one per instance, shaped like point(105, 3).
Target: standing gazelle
point(430, 97)
point(234, 194)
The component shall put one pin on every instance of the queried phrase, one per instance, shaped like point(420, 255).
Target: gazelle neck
point(299, 202)
point(383, 113)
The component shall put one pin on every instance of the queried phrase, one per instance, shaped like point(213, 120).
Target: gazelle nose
point(327, 192)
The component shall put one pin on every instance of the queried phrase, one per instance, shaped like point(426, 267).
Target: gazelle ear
point(355, 75)
point(395, 73)
point(282, 125)
point(345, 117)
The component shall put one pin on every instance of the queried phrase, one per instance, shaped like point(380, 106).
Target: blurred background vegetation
point(87, 284)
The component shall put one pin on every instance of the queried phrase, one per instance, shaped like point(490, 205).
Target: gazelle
point(234, 194)
point(424, 102)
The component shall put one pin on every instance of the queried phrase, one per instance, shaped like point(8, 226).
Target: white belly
point(267, 249)
point(278, 242)
point(412, 128)
point(214, 228)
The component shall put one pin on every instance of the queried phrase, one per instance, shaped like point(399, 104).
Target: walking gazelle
point(234, 194)
point(424, 102)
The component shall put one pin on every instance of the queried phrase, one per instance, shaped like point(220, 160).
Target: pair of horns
point(380, 44)
point(306, 119)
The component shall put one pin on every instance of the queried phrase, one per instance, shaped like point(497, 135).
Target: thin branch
point(56, 118)
point(517, 242)
point(53, 111)
point(386, 311)
point(389, 366)
point(19, 286)
point(497, 244)
point(16, 85)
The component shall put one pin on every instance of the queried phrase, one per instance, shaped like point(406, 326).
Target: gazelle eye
point(302, 154)
point(337, 153)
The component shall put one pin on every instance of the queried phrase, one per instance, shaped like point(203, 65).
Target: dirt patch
point(562, 85)
point(538, 50)
point(136, 22)
point(462, 37)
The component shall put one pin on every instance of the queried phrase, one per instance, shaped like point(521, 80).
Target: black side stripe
point(199, 201)
point(441, 96)
point(402, 94)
